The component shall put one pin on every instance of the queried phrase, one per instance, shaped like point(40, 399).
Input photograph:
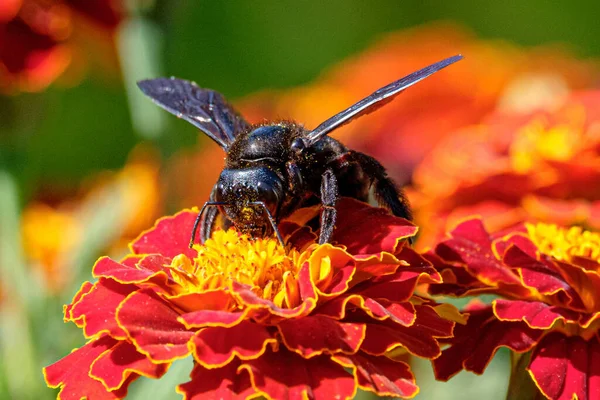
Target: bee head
point(247, 193)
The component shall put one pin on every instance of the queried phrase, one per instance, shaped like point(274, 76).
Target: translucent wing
point(203, 108)
point(376, 99)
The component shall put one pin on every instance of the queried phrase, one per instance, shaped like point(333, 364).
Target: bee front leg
point(329, 196)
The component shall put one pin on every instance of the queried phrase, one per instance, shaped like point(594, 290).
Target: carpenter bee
point(272, 169)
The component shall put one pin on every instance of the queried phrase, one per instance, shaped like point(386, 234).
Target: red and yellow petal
point(153, 327)
point(366, 230)
point(403, 313)
point(169, 237)
point(117, 364)
point(536, 314)
point(541, 276)
point(381, 375)
point(419, 339)
point(314, 335)
point(214, 347)
point(475, 343)
point(225, 383)
point(331, 270)
point(97, 309)
point(471, 246)
point(71, 373)
point(146, 270)
point(565, 368)
point(263, 308)
point(211, 318)
point(86, 287)
point(318, 378)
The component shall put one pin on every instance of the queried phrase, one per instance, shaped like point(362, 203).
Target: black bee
point(272, 169)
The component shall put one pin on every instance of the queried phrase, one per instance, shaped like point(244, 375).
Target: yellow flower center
point(565, 243)
point(230, 256)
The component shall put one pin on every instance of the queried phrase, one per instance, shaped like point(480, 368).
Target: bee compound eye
point(298, 145)
point(268, 195)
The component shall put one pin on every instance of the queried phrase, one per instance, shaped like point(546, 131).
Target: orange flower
point(51, 233)
point(550, 278)
point(543, 166)
point(307, 321)
point(492, 76)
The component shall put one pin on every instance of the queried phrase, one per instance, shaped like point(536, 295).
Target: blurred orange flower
point(493, 75)
point(51, 232)
point(543, 166)
point(39, 39)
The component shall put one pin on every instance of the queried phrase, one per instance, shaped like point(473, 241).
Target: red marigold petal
point(215, 347)
point(314, 335)
point(419, 339)
point(381, 375)
point(115, 365)
point(226, 383)
point(565, 368)
point(542, 276)
point(583, 282)
point(383, 231)
point(457, 281)
point(475, 343)
point(286, 375)
point(97, 309)
point(397, 287)
point(402, 313)
point(71, 373)
point(340, 269)
point(147, 269)
point(169, 237)
point(246, 296)
point(153, 326)
point(86, 287)
point(211, 318)
point(471, 245)
point(536, 314)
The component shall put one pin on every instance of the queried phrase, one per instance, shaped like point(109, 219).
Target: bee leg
point(387, 193)
point(329, 196)
point(204, 234)
point(208, 223)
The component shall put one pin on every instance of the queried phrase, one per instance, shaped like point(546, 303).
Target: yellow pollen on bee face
point(565, 243)
point(229, 256)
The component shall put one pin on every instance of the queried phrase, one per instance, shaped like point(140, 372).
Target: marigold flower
point(550, 280)
point(541, 166)
point(307, 321)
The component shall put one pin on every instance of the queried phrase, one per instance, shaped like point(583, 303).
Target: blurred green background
point(55, 138)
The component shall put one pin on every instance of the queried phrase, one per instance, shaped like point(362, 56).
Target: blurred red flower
point(550, 280)
point(543, 166)
point(334, 318)
point(37, 38)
